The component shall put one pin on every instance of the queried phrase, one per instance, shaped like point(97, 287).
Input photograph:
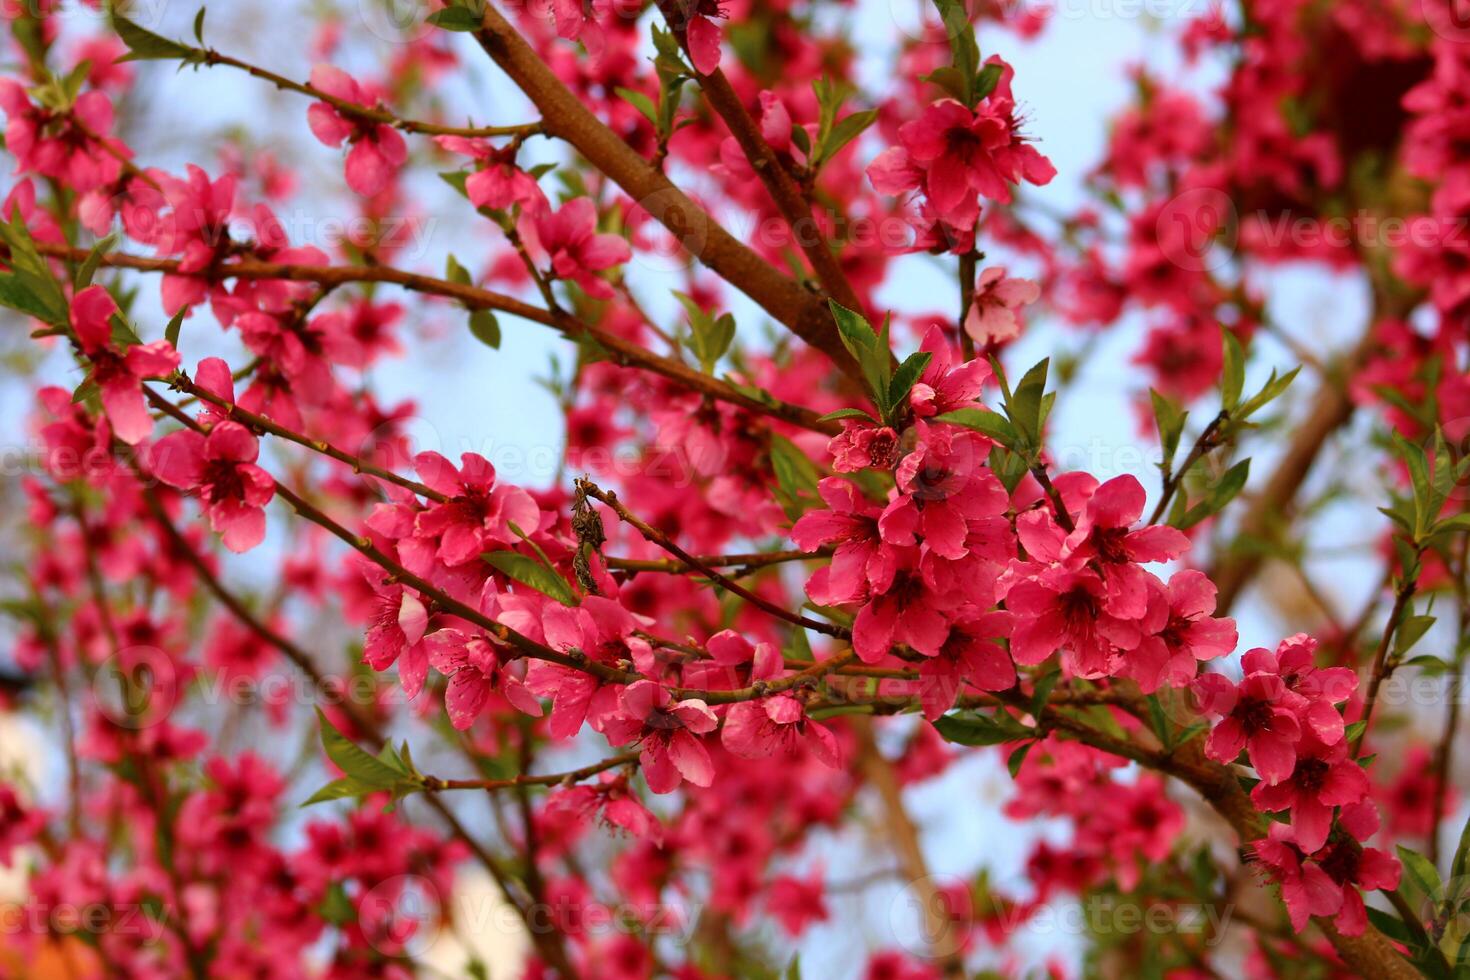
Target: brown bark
point(566, 117)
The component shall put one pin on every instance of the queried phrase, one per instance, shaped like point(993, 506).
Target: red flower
point(220, 468)
point(475, 667)
point(972, 655)
point(669, 733)
point(570, 238)
point(377, 150)
point(118, 374)
point(615, 800)
point(1060, 608)
point(1325, 777)
point(960, 153)
point(861, 561)
point(1328, 881)
point(478, 513)
point(1188, 634)
point(1259, 715)
point(60, 145)
point(777, 725)
point(497, 183)
point(601, 630)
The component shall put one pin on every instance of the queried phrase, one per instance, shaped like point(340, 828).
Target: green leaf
point(199, 25)
point(987, 80)
point(1008, 465)
point(1270, 391)
point(17, 296)
point(796, 477)
point(455, 179)
point(456, 19)
point(336, 907)
point(1411, 630)
point(1232, 378)
point(906, 377)
point(1026, 405)
point(1460, 867)
point(1453, 525)
point(989, 424)
point(1013, 762)
point(175, 325)
point(710, 336)
point(1102, 717)
point(340, 789)
point(1169, 418)
point(952, 80)
point(1418, 463)
point(845, 132)
point(353, 760)
point(1442, 475)
point(88, 269)
point(670, 56)
point(971, 728)
point(801, 139)
point(1042, 694)
point(1219, 496)
point(963, 47)
point(845, 413)
point(1160, 722)
point(144, 45)
point(123, 334)
point(868, 348)
point(455, 272)
point(640, 102)
point(1419, 873)
point(528, 571)
point(485, 328)
point(386, 772)
point(31, 286)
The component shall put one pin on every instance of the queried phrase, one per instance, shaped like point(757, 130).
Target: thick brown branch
point(773, 174)
point(567, 117)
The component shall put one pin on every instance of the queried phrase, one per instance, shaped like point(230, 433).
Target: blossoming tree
point(784, 578)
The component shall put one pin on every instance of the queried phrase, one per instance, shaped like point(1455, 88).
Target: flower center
point(222, 481)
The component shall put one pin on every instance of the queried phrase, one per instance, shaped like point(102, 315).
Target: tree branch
point(567, 117)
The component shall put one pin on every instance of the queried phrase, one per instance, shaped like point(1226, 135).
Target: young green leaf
point(796, 477)
point(485, 328)
point(175, 324)
point(1169, 418)
point(845, 413)
point(868, 348)
point(456, 19)
point(1017, 757)
point(641, 102)
point(528, 571)
point(845, 131)
point(972, 728)
point(30, 287)
point(144, 45)
point(1027, 406)
point(906, 377)
point(1232, 377)
point(990, 424)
